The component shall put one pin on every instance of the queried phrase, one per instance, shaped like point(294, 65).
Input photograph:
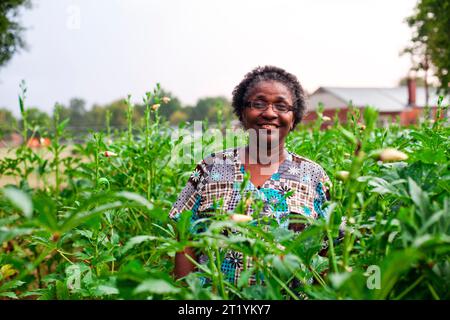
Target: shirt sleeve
point(191, 196)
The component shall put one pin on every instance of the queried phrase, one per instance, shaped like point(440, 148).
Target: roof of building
point(384, 99)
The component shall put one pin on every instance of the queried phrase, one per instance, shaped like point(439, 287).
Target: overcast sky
point(102, 50)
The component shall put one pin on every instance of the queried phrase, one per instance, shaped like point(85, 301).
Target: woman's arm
point(189, 200)
point(183, 266)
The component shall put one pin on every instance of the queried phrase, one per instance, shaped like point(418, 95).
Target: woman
point(269, 102)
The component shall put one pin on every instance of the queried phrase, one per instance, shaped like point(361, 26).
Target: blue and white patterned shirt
point(300, 186)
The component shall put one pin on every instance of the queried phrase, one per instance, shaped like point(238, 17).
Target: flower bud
point(325, 118)
point(165, 100)
point(110, 154)
point(56, 236)
point(240, 217)
point(342, 175)
point(391, 154)
point(155, 106)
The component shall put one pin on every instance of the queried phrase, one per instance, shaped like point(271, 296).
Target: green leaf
point(7, 234)
point(20, 200)
point(350, 137)
point(136, 198)
point(418, 196)
point(21, 105)
point(338, 279)
point(157, 286)
point(62, 292)
point(81, 217)
point(9, 220)
point(63, 124)
point(11, 285)
point(11, 295)
point(46, 208)
point(135, 241)
point(432, 156)
point(432, 220)
point(103, 290)
point(393, 267)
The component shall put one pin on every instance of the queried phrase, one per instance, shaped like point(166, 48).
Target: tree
point(77, 112)
point(209, 108)
point(167, 109)
point(8, 122)
point(38, 119)
point(95, 118)
point(178, 116)
point(430, 42)
point(11, 40)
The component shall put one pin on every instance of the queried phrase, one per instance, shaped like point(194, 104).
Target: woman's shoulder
point(227, 156)
point(298, 160)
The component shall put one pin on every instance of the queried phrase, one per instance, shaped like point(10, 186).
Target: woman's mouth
point(268, 126)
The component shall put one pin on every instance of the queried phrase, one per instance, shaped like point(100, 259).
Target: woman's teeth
point(268, 126)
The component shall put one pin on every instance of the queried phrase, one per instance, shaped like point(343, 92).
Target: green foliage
point(99, 227)
point(11, 38)
point(8, 123)
point(430, 40)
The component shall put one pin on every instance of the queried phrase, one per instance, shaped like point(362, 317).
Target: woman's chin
point(269, 138)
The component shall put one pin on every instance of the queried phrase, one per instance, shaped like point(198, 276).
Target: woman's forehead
point(270, 88)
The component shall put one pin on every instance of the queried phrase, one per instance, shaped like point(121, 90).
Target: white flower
point(391, 154)
point(166, 99)
point(295, 171)
point(240, 217)
point(195, 175)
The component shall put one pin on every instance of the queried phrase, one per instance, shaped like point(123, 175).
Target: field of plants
point(95, 224)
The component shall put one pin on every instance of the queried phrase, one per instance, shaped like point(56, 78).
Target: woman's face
point(269, 124)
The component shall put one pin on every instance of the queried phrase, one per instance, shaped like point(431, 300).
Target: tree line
point(82, 119)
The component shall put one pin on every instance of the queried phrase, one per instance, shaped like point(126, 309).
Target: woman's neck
point(265, 156)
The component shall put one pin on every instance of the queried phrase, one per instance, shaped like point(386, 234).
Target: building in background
point(406, 102)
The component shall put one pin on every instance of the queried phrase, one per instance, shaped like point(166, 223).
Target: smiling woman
point(269, 102)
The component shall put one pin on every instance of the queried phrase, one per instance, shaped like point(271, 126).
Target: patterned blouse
point(300, 186)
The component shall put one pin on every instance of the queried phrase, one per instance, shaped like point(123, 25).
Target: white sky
point(198, 48)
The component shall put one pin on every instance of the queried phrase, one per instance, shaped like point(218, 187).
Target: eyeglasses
point(261, 105)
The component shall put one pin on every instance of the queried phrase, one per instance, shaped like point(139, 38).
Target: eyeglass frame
point(250, 105)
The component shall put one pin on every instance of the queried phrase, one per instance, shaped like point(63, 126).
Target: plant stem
point(97, 160)
point(332, 256)
point(219, 274)
point(407, 290)
point(56, 150)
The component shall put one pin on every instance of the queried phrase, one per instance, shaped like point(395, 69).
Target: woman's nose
point(269, 112)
